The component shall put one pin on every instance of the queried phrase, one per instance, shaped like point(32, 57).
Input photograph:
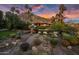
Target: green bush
point(71, 38)
point(15, 22)
point(57, 26)
point(53, 41)
point(42, 27)
point(24, 46)
point(13, 35)
point(3, 38)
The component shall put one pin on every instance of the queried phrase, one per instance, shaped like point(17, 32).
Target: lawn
point(6, 33)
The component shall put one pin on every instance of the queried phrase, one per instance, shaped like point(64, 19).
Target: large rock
point(34, 50)
point(69, 47)
point(43, 48)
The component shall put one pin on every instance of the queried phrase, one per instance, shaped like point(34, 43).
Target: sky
point(47, 10)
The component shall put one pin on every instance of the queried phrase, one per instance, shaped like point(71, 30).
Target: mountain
point(30, 17)
point(71, 20)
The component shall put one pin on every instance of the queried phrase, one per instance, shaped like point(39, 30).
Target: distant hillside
point(32, 18)
point(71, 20)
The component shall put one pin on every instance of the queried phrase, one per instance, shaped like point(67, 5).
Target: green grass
point(6, 33)
point(69, 37)
point(42, 27)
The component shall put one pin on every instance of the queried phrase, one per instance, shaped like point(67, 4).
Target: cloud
point(47, 14)
point(37, 7)
point(72, 14)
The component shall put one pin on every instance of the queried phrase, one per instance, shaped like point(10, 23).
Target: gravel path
point(58, 50)
point(31, 38)
point(15, 49)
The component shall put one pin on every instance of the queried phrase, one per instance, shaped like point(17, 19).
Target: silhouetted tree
point(28, 7)
point(1, 18)
point(62, 8)
point(58, 25)
point(29, 11)
point(13, 20)
point(17, 11)
point(12, 9)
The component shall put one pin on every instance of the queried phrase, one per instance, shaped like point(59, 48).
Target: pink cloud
point(35, 8)
point(68, 14)
point(47, 14)
point(72, 14)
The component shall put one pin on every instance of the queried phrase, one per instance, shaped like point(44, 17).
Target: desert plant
point(24, 46)
point(53, 41)
point(71, 38)
point(12, 35)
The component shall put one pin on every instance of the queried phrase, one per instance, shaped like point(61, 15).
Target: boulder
point(69, 47)
point(6, 44)
point(14, 42)
point(34, 50)
point(39, 32)
point(45, 33)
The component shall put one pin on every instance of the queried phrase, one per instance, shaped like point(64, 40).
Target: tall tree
point(62, 8)
point(29, 11)
point(14, 20)
point(1, 18)
point(28, 7)
point(17, 11)
point(9, 20)
point(58, 25)
point(59, 16)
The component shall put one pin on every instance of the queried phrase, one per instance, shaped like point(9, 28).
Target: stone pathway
point(63, 51)
point(58, 50)
point(31, 38)
point(15, 49)
point(24, 39)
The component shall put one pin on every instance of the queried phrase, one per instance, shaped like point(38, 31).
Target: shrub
point(65, 43)
point(41, 27)
point(2, 38)
point(57, 26)
point(12, 35)
point(71, 38)
point(18, 37)
point(24, 46)
point(74, 42)
point(53, 41)
point(18, 34)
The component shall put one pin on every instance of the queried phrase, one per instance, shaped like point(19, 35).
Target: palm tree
point(62, 8)
point(59, 16)
point(29, 11)
point(28, 7)
point(58, 24)
point(52, 19)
